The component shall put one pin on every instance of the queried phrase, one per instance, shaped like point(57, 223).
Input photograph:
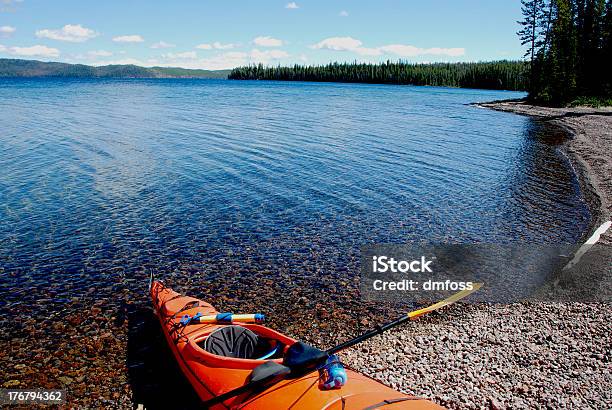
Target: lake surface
point(103, 181)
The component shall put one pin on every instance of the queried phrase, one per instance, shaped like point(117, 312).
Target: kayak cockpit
point(239, 347)
point(240, 342)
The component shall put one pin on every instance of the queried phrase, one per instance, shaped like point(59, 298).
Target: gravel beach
point(527, 355)
point(524, 355)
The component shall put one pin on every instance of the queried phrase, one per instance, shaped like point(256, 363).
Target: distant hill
point(33, 68)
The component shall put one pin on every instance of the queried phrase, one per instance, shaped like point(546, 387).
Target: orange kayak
point(212, 374)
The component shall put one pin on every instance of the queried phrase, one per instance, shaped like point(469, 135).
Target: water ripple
point(101, 179)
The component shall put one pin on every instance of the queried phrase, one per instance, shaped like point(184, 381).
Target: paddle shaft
point(368, 335)
point(249, 387)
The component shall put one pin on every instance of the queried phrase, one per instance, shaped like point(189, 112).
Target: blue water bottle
point(332, 374)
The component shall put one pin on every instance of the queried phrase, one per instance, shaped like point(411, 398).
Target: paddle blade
point(448, 301)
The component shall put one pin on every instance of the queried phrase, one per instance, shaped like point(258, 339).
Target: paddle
point(403, 319)
point(270, 373)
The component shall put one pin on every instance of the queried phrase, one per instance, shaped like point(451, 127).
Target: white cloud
point(162, 44)
point(453, 52)
point(133, 38)
point(402, 50)
point(343, 13)
point(233, 59)
point(99, 53)
point(258, 56)
point(9, 5)
point(219, 61)
point(222, 61)
point(346, 44)
point(220, 46)
point(32, 51)
point(74, 33)
point(6, 31)
point(338, 44)
point(216, 45)
point(187, 55)
point(365, 51)
point(292, 5)
point(267, 41)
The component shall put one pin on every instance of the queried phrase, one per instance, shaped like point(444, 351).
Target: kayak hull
point(212, 375)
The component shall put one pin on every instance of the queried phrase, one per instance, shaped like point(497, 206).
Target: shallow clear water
point(103, 179)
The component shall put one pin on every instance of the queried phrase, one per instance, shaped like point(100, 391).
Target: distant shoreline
point(16, 68)
point(59, 77)
point(500, 75)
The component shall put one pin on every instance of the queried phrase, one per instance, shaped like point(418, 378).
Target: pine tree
point(562, 54)
point(529, 33)
point(590, 18)
point(606, 51)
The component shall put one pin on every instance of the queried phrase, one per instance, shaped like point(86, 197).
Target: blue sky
point(219, 34)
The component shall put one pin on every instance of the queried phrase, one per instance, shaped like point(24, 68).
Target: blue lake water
point(102, 181)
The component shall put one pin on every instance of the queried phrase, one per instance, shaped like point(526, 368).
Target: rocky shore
point(549, 355)
point(519, 356)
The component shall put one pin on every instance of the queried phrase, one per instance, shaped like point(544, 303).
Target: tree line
point(569, 49)
point(497, 75)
